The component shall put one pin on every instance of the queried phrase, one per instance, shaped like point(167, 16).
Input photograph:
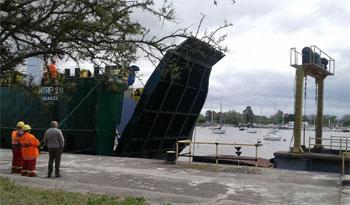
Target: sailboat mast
point(220, 115)
point(260, 122)
point(275, 120)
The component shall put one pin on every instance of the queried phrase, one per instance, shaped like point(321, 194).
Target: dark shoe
point(48, 176)
point(58, 175)
point(19, 171)
point(32, 174)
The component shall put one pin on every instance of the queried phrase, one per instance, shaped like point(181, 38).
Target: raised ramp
point(171, 101)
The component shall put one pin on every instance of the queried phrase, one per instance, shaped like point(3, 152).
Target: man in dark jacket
point(54, 140)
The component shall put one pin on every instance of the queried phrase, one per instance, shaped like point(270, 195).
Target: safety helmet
point(20, 124)
point(26, 128)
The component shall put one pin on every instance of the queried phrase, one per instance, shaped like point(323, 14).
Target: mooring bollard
point(171, 157)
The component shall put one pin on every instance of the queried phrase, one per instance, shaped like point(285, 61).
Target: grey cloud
point(257, 89)
point(239, 87)
point(337, 12)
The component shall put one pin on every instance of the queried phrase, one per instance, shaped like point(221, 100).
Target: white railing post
point(346, 144)
point(343, 165)
point(216, 153)
point(256, 156)
point(310, 144)
point(340, 147)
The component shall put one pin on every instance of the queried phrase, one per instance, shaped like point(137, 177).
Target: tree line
point(247, 116)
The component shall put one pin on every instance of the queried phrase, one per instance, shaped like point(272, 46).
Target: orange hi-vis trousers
point(29, 168)
point(17, 160)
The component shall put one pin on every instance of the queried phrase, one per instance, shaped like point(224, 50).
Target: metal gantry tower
point(313, 62)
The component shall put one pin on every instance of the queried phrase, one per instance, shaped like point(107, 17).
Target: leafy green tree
point(208, 114)
point(97, 31)
point(248, 115)
point(278, 117)
point(345, 120)
point(233, 117)
point(288, 117)
point(329, 120)
point(201, 119)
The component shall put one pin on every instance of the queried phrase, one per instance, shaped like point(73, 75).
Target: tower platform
point(314, 70)
point(315, 62)
point(324, 162)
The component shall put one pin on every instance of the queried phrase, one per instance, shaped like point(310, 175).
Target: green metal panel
point(88, 113)
point(17, 105)
point(108, 113)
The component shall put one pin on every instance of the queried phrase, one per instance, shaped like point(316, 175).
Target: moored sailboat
point(219, 130)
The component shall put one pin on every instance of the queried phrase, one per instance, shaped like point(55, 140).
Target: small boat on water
point(346, 130)
point(274, 130)
point(219, 131)
point(252, 130)
point(213, 127)
point(272, 137)
point(259, 142)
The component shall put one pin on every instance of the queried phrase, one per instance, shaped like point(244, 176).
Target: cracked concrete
point(159, 182)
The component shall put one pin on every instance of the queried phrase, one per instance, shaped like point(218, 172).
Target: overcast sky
point(256, 69)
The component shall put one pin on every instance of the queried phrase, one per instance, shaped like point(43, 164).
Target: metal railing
point(315, 57)
point(340, 143)
point(190, 155)
point(295, 57)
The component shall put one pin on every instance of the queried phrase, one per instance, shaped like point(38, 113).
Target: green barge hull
point(88, 113)
point(89, 109)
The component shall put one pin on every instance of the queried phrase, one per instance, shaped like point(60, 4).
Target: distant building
point(34, 68)
point(291, 124)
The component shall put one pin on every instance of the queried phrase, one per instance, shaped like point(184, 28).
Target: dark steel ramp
point(171, 101)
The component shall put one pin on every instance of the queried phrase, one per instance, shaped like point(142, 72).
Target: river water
point(233, 135)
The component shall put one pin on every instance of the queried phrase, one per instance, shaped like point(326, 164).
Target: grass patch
point(10, 194)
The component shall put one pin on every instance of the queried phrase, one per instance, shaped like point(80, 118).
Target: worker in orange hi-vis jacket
point(30, 152)
point(53, 70)
point(17, 159)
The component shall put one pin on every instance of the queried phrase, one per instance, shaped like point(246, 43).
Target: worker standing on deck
point(17, 160)
point(54, 140)
point(53, 70)
point(29, 147)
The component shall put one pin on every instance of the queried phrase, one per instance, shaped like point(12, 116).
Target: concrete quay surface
point(159, 182)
